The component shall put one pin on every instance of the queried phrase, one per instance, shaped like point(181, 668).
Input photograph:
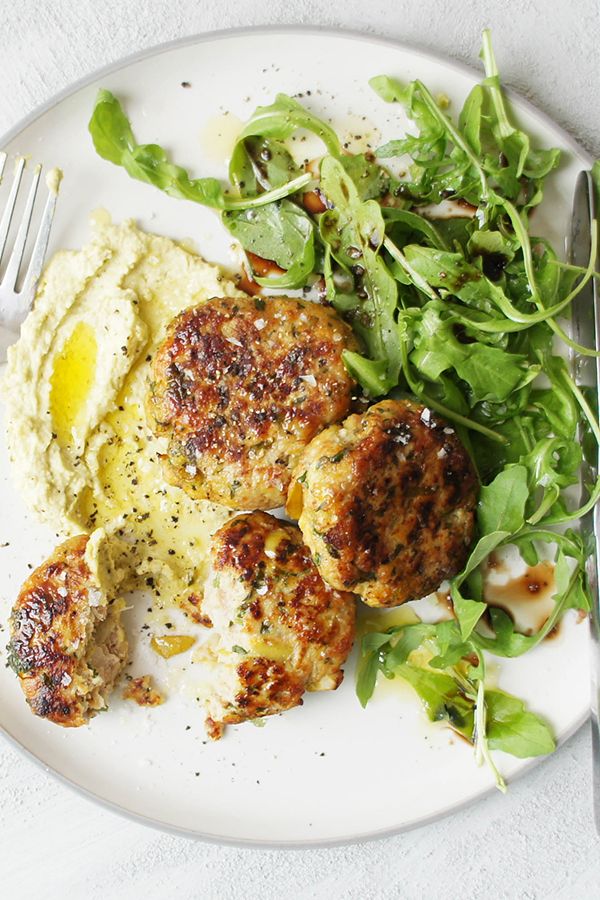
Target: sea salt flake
point(260, 324)
point(95, 597)
point(448, 430)
point(262, 590)
point(66, 679)
point(442, 452)
point(231, 340)
point(63, 592)
point(309, 379)
point(191, 470)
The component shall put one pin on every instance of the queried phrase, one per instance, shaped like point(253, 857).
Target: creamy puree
point(75, 389)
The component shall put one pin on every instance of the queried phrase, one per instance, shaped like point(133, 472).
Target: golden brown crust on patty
point(240, 386)
point(386, 502)
point(67, 645)
point(282, 630)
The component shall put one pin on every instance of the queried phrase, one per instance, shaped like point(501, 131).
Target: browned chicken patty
point(386, 502)
point(66, 642)
point(240, 386)
point(279, 630)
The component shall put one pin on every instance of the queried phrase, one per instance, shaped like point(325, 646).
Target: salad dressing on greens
point(465, 313)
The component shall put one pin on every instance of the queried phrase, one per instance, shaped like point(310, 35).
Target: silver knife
point(586, 328)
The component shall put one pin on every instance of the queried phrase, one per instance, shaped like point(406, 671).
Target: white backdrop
point(539, 841)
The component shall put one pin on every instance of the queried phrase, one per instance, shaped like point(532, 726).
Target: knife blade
point(586, 330)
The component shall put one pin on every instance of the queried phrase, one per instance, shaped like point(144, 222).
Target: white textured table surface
point(539, 841)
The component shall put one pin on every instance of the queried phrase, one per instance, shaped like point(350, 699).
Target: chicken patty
point(240, 386)
point(386, 502)
point(279, 630)
point(67, 644)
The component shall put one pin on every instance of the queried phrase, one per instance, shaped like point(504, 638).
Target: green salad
point(463, 313)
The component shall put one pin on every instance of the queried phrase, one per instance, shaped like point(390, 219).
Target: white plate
point(327, 772)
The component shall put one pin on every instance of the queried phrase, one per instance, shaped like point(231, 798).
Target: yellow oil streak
point(218, 137)
point(167, 645)
point(295, 501)
point(72, 378)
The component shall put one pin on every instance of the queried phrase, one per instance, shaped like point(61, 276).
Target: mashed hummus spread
point(75, 387)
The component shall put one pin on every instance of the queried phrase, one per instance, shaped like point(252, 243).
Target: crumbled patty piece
point(240, 386)
point(67, 644)
point(386, 502)
point(142, 691)
point(279, 629)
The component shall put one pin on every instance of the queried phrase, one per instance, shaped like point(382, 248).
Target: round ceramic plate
point(328, 771)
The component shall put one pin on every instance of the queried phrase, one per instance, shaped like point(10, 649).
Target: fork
point(15, 304)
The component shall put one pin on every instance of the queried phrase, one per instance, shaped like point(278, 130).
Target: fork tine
point(16, 257)
point(39, 250)
point(3, 158)
point(10, 206)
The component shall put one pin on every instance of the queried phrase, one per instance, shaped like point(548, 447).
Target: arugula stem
point(570, 267)
point(547, 503)
point(277, 193)
point(522, 236)
point(482, 750)
point(492, 73)
point(579, 348)
point(417, 279)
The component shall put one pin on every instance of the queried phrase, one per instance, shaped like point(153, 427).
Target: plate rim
point(157, 50)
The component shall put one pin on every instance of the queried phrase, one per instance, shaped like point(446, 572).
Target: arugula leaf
point(494, 374)
point(281, 232)
point(492, 243)
point(451, 648)
point(442, 697)
point(258, 162)
point(282, 118)
point(368, 668)
point(501, 504)
point(370, 180)
point(404, 642)
point(114, 140)
point(514, 729)
point(412, 223)
point(371, 374)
